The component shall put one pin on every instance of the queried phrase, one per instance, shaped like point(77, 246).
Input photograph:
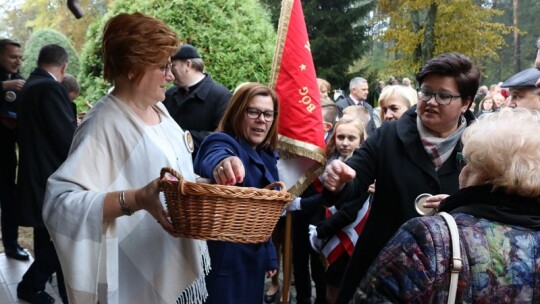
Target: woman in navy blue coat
point(242, 153)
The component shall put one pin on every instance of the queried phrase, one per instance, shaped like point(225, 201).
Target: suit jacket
point(345, 102)
point(47, 122)
point(395, 157)
point(200, 111)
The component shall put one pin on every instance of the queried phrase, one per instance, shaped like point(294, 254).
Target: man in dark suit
point(11, 83)
point(196, 102)
point(359, 91)
point(47, 123)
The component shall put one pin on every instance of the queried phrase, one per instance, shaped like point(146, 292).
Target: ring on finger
point(221, 169)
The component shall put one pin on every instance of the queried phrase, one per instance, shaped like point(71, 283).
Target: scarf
point(439, 149)
point(495, 205)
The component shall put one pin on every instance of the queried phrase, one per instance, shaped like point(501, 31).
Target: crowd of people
point(88, 187)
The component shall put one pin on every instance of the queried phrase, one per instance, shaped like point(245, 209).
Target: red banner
point(295, 81)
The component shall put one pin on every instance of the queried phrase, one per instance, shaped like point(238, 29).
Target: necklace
point(165, 144)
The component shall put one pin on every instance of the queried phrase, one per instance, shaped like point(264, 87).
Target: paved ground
point(11, 272)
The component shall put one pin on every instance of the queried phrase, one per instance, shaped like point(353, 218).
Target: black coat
point(200, 111)
point(47, 122)
point(9, 99)
point(395, 157)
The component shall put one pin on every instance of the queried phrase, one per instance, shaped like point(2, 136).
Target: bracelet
point(123, 205)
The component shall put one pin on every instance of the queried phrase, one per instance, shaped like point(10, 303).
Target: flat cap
point(186, 51)
point(525, 78)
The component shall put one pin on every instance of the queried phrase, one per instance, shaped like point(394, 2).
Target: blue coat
point(238, 270)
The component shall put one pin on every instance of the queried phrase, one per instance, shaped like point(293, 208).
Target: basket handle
point(281, 185)
point(174, 173)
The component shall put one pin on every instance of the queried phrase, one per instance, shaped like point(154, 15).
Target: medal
point(188, 140)
point(10, 96)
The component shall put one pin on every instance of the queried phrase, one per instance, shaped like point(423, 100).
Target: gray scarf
point(439, 149)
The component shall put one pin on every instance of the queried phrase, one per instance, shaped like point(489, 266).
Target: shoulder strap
point(457, 263)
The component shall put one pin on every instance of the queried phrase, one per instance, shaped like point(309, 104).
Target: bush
point(44, 37)
point(235, 38)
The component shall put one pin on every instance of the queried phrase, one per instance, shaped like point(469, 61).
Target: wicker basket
point(224, 213)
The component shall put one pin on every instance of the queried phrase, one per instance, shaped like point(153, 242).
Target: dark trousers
point(45, 264)
point(303, 257)
point(8, 167)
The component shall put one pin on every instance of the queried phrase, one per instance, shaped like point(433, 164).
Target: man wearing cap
point(522, 89)
point(11, 83)
point(196, 102)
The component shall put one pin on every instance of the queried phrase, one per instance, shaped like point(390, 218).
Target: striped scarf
point(439, 149)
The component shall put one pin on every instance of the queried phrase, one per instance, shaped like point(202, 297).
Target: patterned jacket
point(500, 261)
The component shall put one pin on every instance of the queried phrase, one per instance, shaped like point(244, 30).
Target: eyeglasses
point(461, 160)
point(440, 98)
point(256, 113)
point(166, 68)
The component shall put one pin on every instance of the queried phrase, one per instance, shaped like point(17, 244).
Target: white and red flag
point(345, 239)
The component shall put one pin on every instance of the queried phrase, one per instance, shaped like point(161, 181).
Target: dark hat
point(525, 78)
point(186, 51)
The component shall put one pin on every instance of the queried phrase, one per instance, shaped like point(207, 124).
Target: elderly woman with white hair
point(498, 219)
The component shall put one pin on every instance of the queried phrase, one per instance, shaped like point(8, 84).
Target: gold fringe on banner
point(283, 27)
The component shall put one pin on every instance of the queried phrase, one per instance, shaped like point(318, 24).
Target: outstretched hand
point(229, 171)
point(337, 174)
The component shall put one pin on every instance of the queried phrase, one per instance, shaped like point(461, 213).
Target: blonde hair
point(331, 145)
point(504, 148)
point(407, 94)
point(356, 112)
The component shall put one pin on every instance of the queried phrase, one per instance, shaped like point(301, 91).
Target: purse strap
point(456, 264)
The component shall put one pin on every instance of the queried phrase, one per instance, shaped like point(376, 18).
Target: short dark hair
point(5, 42)
point(455, 65)
point(52, 54)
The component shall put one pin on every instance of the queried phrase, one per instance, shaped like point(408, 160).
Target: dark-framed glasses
point(441, 98)
point(461, 160)
point(166, 68)
point(256, 113)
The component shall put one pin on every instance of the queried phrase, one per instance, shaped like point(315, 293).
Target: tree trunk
point(517, 50)
point(429, 33)
point(416, 26)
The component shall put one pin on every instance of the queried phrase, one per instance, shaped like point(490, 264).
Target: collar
point(195, 83)
point(356, 101)
point(485, 201)
point(51, 75)
point(185, 91)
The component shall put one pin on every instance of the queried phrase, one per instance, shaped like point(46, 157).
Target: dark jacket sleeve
point(364, 161)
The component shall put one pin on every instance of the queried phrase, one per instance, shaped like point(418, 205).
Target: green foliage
point(528, 11)
point(28, 16)
point(41, 38)
point(235, 38)
point(338, 34)
point(458, 26)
